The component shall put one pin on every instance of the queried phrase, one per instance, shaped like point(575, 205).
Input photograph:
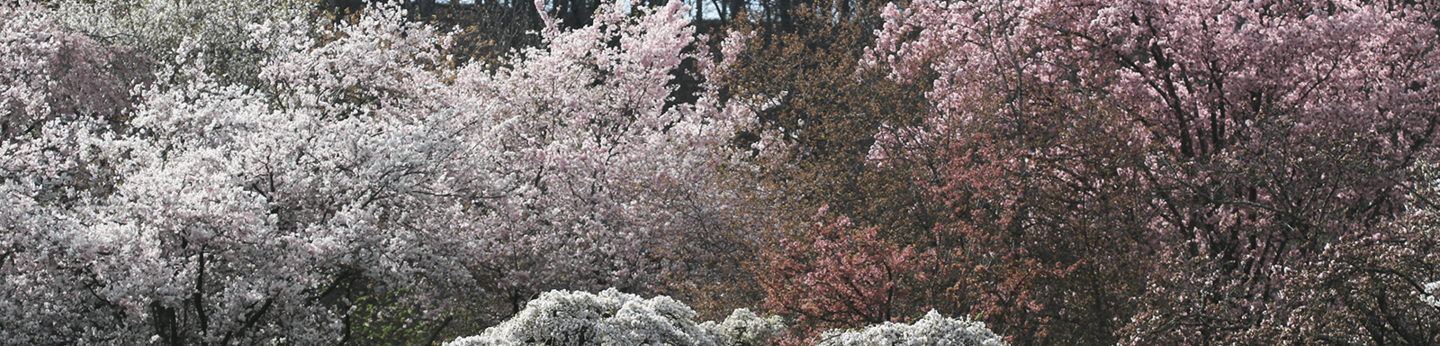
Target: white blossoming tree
point(362, 164)
point(47, 72)
point(213, 34)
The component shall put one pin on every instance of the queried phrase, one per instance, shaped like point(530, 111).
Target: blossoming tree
point(364, 163)
point(49, 72)
point(1243, 143)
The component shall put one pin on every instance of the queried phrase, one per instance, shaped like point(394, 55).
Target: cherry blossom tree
point(601, 161)
point(815, 135)
point(49, 72)
point(48, 296)
point(1242, 142)
point(365, 163)
point(211, 33)
point(57, 91)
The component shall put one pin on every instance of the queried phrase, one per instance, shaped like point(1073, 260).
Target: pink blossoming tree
point(1220, 171)
point(48, 72)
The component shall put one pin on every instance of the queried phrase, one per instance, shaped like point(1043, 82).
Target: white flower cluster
point(933, 330)
point(1432, 290)
point(744, 328)
point(611, 318)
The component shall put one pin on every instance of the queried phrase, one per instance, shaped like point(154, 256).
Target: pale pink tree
point(370, 163)
point(49, 295)
point(47, 72)
point(603, 168)
point(58, 90)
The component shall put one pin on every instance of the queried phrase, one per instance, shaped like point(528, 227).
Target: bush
point(744, 328)
point(931, 330)
point(611, 318)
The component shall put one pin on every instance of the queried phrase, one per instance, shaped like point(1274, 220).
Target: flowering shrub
point(610, 318)
point(622, 319)
point(745, 328)
point(933, 330)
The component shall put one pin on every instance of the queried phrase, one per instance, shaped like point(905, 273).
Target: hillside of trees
point(719, 173)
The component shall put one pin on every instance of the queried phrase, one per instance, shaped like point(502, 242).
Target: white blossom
point(745, 328)
point(933, 330)
point(212, 34)
point(1432, 294)
point(611, 318)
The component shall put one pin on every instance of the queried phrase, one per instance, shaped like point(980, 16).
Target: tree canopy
point(843, 173)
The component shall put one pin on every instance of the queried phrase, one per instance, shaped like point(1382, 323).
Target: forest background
point(1068, 172)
